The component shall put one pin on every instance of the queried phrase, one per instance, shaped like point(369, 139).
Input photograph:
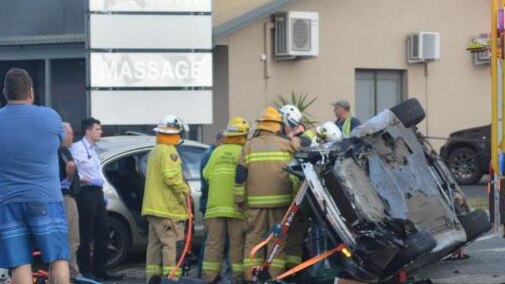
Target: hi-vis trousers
point(218, 230)
point(166, 238)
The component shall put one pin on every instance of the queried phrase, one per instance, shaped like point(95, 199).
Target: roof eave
point(248, 18)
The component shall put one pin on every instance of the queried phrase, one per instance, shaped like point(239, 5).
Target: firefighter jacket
point(220, 175)
point(165, 189)
point(261, 180)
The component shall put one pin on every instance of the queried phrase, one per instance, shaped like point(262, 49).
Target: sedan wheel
point(119, 241)
point(463, 164)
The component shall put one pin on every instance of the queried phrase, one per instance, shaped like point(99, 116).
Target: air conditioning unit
point(296, 35)
point(481, 57)
point(423, 46)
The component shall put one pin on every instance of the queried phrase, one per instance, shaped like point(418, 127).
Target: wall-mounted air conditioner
point(423, 46)
point(481, 57)
point(296, 35)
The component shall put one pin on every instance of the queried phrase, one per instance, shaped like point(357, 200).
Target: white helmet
point(291, 115)
point(329, 131)
point(171, 124)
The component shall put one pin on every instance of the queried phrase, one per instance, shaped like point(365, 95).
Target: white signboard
point(151, 69)
point(150, 5)
point(150, 31)
point(148, 107)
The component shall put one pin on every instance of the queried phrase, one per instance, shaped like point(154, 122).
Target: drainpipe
point(265, 57)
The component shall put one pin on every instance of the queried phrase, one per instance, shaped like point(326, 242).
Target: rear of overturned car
point(387, 195)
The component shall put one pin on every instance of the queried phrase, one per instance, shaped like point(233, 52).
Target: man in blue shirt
point(31, 205)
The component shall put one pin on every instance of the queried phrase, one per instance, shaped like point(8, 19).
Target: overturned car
point(386, 194)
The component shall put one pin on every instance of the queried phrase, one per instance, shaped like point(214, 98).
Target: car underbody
point(387, 195)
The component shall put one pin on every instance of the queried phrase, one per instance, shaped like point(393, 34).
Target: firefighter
point(292, 120)
point(294, 128)
point(326, 132)
point(223, 220)
point(263, 186)
point(164, 203)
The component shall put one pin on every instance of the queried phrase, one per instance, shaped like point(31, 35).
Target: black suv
point(467, 153)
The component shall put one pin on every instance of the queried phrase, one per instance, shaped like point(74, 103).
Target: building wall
point(370, 34)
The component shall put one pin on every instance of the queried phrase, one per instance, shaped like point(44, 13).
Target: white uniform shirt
point(86, 158)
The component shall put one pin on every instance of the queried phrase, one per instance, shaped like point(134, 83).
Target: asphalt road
point(477, 191)
point(486, 264)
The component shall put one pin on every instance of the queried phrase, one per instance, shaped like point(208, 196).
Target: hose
point(189, 237)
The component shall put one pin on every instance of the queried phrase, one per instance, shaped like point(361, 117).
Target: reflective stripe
point(268, 156)
point(211, 266)
point(293, 259)
point(170, 171)
point(346, 128)
point(278, 263)
point(223, 212)
point(269, 199)
point(239, 189)
point(168, 269)
point(248, 262)
point(165, 214)
point(153, 269)
point(224, 171)
point(237, 267)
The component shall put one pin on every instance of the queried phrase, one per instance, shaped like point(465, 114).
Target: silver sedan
point(124, 160)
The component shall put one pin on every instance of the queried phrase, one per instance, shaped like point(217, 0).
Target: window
point(191, 158)
point(377, 90)
point(127, 175)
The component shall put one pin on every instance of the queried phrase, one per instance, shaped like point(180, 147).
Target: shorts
point(28, 225)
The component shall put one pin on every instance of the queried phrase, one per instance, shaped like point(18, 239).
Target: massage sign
point(149, 58)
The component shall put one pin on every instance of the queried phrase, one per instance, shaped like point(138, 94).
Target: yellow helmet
point(237, 126)
point(270, 120)
point(270, 114)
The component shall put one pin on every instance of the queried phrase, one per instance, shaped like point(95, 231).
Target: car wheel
point(475, 223)
point(119, 241)
point(463, 164)
point(409, 112)
point(417, 245)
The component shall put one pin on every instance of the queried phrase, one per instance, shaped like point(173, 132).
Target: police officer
point(263, 186)
point(223, 220)
point(91, 204)
point(164, 202)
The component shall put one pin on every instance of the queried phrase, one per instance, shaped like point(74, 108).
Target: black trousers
point(92, 229)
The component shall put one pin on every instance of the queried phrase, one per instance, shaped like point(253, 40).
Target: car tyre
point(475, 223)
point(464, 159)
point(417, 245)
point(119, 242)
point(409, 112)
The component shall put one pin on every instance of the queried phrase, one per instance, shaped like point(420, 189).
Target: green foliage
point(302, 102)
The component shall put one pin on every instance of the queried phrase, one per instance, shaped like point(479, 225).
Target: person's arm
point(240, 178)
point(208, 168)
point(172, 173)
point(80, 155)
point(70, 166)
